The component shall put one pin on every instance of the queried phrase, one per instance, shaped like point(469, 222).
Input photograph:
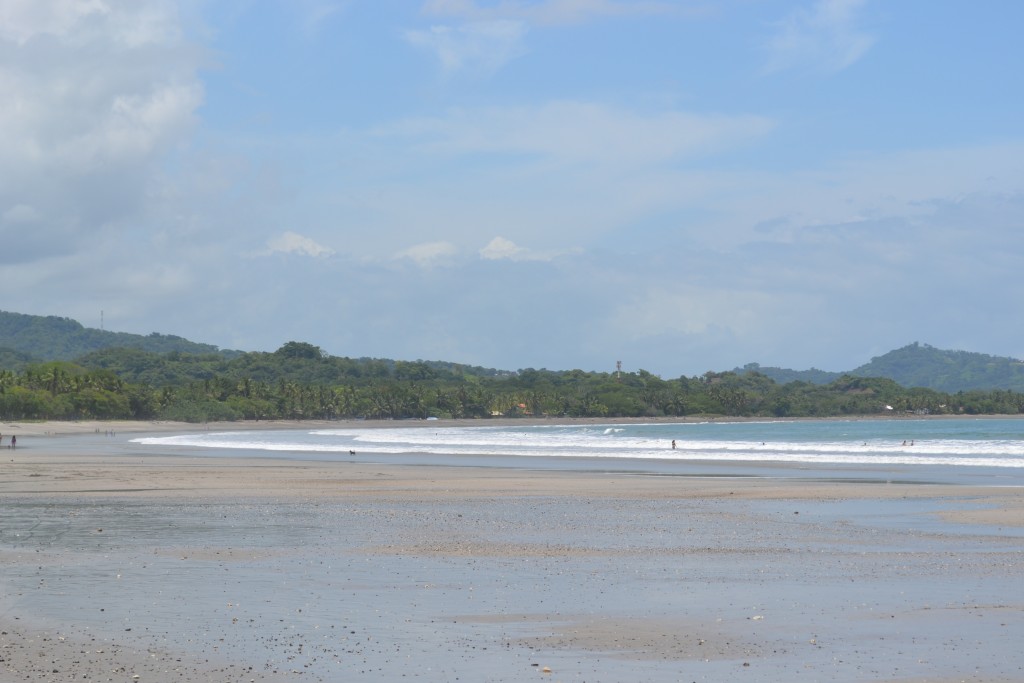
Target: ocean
point(959, 448)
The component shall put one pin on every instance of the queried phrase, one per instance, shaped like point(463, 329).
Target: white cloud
point(112, 83)
point(138, 24)
point(429, 254)
point(293, 243)
point(826, 37)
point(22, 20)
point(550, 12)
point(480, 48)
point(136, 125)
point(502, 249)
point(125, 23)
point(95, 94)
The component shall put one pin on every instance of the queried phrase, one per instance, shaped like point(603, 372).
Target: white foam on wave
point(609, 442)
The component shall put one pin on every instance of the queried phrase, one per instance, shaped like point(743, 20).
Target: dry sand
point(192, 569)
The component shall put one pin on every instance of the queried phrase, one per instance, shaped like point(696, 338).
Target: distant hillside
point(26, 338)
point(31, 339)
point(919, 365)
point(784, 376)
point(15, 361)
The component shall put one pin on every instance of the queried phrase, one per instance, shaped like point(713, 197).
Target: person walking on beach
point(14, 441)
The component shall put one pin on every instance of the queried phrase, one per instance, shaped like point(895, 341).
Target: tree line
point(298, 381)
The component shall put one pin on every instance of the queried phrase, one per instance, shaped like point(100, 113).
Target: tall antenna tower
point(101, 320)
point(618, 370)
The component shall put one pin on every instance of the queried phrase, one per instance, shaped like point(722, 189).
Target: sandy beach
point(124, 565)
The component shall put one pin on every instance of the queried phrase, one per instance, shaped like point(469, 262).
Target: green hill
point(46, 338)
point(919, 365)
point(785, 376)
point(15, 360)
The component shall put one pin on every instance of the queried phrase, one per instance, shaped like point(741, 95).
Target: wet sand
point(118, 564)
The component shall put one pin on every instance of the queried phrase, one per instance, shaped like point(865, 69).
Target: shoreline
point(79, 427)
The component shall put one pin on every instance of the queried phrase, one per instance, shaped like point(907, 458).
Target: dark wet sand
point(192, 569)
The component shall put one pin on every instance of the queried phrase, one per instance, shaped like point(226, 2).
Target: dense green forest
point(299, 381)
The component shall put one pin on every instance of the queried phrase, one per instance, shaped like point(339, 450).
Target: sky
point(679, 185)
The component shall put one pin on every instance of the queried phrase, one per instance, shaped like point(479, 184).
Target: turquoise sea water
point(970, 447)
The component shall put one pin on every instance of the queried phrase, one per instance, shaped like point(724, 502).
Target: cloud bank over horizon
point(678, 186)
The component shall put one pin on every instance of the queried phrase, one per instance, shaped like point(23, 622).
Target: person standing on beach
point(14, 441)
point(673, 444)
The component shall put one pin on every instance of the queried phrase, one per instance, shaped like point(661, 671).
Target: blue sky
point(682, 186)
